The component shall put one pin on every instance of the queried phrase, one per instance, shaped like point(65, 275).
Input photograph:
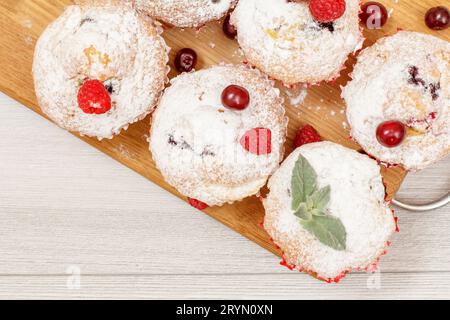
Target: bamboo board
point(22, 21)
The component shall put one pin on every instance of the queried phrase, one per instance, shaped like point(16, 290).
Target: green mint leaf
point(316, 212)
point(303, 182)
point(303, 212)
point(328, 230)
point(321, 197)
point(309, 205)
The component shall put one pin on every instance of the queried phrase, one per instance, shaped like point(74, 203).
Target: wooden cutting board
point(22, 21)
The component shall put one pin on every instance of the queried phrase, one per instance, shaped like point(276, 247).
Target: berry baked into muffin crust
point(218, 133)
point(295, 42)
point(99, 68)
point(398, 103)
point(185, 13)
point(326, 210)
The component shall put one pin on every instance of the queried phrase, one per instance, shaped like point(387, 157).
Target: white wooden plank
point(136, 241)
point(63, 203)
point(244, 286)
point(429, 184)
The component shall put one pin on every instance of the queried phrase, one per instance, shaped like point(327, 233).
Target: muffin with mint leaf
point(327, 211)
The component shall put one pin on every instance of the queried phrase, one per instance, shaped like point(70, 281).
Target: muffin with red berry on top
point(99, 68)
point(298, 41)
point(326, 210)
point(398, 101)
point(185, 13)
point(218, 134)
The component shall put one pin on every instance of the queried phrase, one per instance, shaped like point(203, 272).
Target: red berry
point(235, 97)
point(391, 133)
point(373, 15)
point(327, 10)
point(197, 204)
point(229, 30)
point(185, 60)
point(306, 135)
point(93, 97)
point(257, 141)
point(437, 18)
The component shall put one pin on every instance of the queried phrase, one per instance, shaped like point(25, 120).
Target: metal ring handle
point(424, 207)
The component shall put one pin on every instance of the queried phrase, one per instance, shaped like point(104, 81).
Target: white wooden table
point(75, 223)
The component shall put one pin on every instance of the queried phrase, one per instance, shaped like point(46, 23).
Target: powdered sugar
point(283, 39)
point(297, 95)
point(357, 199)
point(109, 43)
point(195, 140)
point(405, 77)
point(185, 13)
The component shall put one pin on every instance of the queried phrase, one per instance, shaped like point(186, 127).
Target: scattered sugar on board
point(125, 152)
point(390, 12)
point(297, 96)
point(27, 23)
point(29, 41)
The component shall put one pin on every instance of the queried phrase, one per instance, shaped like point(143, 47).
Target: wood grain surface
point(21, 23)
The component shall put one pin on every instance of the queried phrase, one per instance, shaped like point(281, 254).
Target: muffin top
point(404, 78)
point(185, 13)
point(110, 44)
point(213, 153)
point(284, 40)
point(326, 210)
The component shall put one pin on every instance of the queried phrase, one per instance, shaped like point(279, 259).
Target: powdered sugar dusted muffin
point(99, 68)
point(326, 211)
point(284, 40)
point(185, 13)
point(218, 133)
point(398, 103)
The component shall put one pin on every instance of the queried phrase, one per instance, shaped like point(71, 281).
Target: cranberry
point(229, 30)
point(185, 60)
point(437, 18)
point(235, 97)
point(373, 15)
point(197, 204)
point(391, 133)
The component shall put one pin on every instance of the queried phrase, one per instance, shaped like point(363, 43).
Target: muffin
point(398, 101)
point(326, 211)
point(286, 41)
point(185, 13)
point(218, 133)
point(99, 68)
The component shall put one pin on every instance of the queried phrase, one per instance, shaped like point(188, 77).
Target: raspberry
point(327, 10)
point(257, 141)
point(197, 204)
point(93, 97)
point(306, 135)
